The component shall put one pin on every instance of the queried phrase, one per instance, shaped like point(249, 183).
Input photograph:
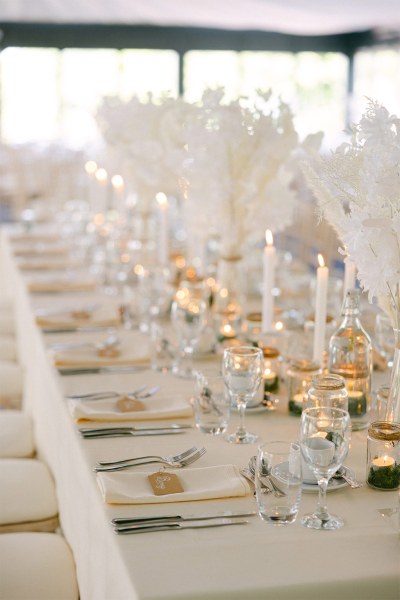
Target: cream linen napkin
point(50, 265)
point(55, 286)
point(41, 250)
point(101, 318)
point(160, 407)
point(205, 483)
point(130, 355)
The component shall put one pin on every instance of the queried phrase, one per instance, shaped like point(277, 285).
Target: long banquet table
point(251, 561)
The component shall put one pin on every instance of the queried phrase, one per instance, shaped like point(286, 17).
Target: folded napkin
point(130, 355)
point(205, 483)
point(161, 406)
point(47, 265)
point(100, 318)
point(54, 286)
point(34, 237)
point(41, 250)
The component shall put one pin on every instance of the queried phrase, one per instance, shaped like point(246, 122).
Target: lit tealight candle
point(383, 462)
point(163, 241)
point(320, 310)
point(268, 282)
point(227, 331)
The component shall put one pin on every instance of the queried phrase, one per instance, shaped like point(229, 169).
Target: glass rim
point(329, 381)
point(292, 444)
point(244, 350)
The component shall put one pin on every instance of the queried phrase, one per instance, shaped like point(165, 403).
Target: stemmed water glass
point(242, 369)
point(324, 437)
point(188, 316)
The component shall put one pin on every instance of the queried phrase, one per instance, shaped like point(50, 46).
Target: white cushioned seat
point(8, 348)
point(36, 566)
point(7, 322)
point(28, 496)
point(16, 434)
point(11, 384)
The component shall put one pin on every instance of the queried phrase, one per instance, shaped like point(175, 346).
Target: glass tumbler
point(211, 404)
point(278, 481)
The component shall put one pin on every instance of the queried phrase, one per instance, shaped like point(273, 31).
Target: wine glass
point(188, 316)
point(242, 368)
point(324, 437)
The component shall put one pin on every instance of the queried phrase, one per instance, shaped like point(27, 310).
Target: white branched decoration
point(358, 191)
point(239, 170)
point(146, 141)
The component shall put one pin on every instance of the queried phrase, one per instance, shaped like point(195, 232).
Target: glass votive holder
point(383, 455)
point(299, 377)
point(251, 327)
point(272, 368)
point(327, 390)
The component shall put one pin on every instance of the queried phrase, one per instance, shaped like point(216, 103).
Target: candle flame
point(161, 199)
point(101, 175)
point(90, 167)
point(321, 261)
point(269, 237)
point(117, 182)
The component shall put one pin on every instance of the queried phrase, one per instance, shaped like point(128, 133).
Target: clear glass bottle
point(327, 390)
point(350, 355)
point(299, 377)
point(383, 455)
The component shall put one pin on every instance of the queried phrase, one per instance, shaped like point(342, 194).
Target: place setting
point(87, 317)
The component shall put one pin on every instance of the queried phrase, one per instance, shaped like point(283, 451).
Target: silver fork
point(175, 458)
point(137, 393)
point(176, 464)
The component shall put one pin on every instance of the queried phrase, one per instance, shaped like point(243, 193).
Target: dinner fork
point(175, 458)
point(176, 464)
point(114, 394)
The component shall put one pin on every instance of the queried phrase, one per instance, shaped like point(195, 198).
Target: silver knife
point(125, 429)
point(144, 432)
point(102, 370)
point(81, 329)
point(178, 526)
point(179, 518)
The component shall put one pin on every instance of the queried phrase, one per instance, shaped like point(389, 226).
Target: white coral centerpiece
point(146, 141)
point(358, 191)
point(238, 170)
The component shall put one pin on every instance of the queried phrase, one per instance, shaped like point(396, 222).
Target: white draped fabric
point(250, 561)
point(300, 17)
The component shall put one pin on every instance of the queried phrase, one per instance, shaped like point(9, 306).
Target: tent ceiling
point(296, 17)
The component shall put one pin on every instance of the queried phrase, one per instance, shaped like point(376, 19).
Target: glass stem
point(322, 509)
point(187, 355)
point(241, 430)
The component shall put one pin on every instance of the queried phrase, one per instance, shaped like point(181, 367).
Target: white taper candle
point(320, 310)
point(269, 257)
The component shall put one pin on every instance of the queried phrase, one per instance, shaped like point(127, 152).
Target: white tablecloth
point(253, 561)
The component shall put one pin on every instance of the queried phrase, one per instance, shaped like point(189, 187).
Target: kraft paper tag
point(164, 483)
point(126, 404)
point(109, 352)
point(81, 314)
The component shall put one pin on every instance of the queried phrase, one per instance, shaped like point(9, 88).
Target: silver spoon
point(343, 473)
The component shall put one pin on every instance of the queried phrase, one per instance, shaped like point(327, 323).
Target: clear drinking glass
point(317, 427)
point(242, 368)
point(211, 404)
point(188, 316)
point(278, 481)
